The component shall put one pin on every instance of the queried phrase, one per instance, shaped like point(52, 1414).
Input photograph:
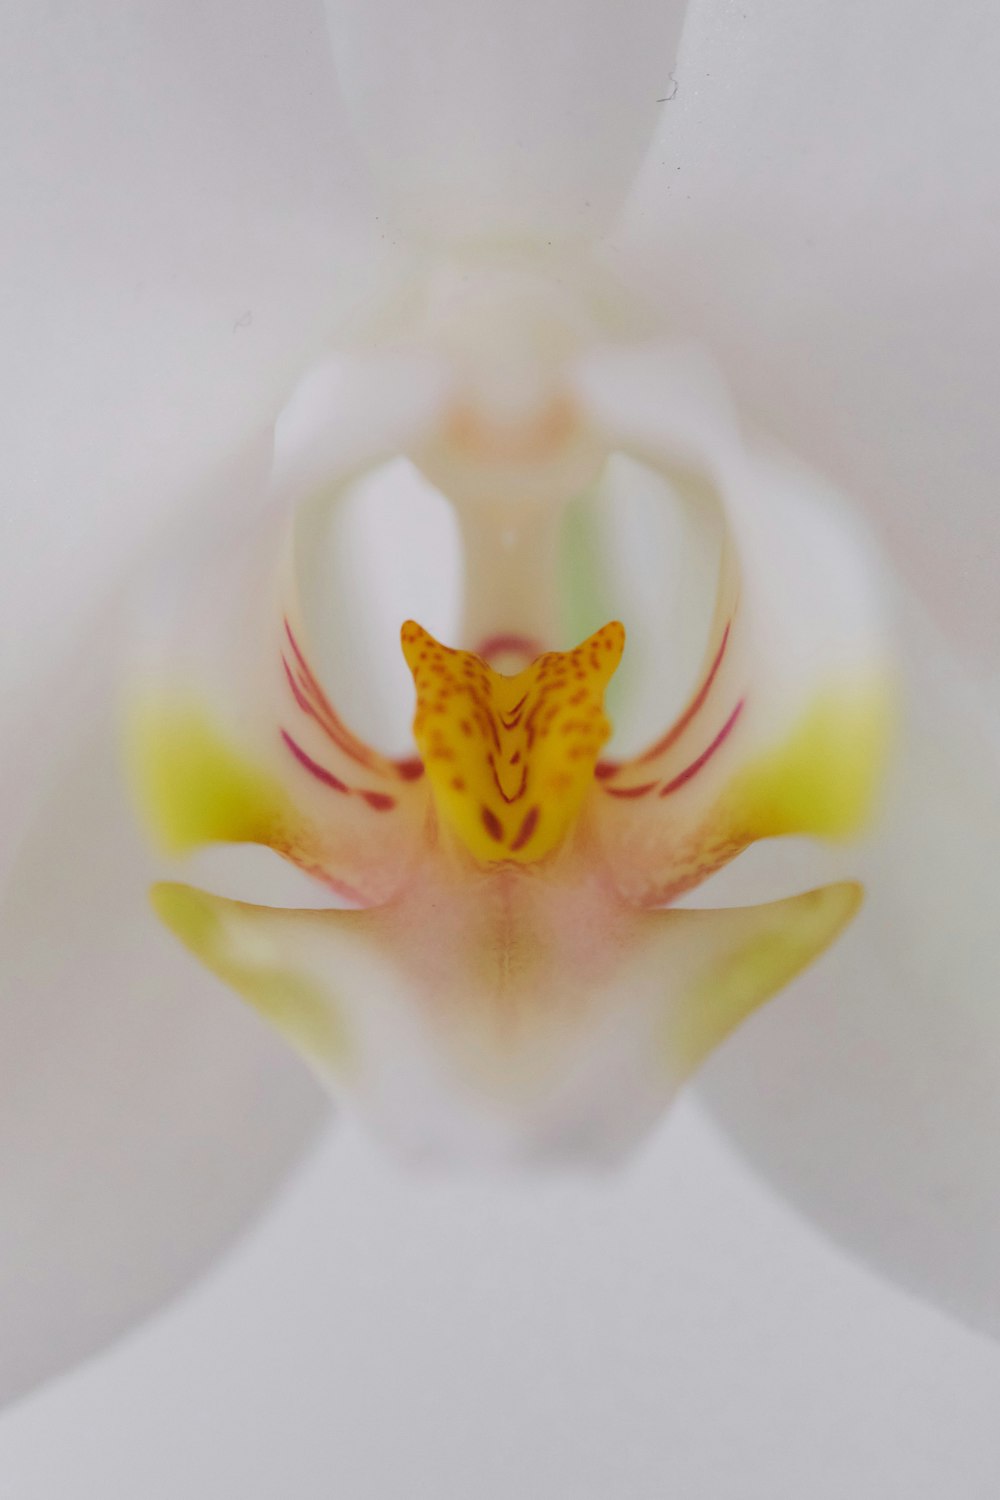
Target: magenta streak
point(706, 755)
point(631, 791)
point(297, 692)
point(674, 733)
point(313, 767)
point(410, 770)
point(298, 653)
point(323, 713)
point(378, 801)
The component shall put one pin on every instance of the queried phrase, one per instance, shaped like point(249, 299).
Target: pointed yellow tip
point(243, 946)
point(758, 950)
point(510, 759)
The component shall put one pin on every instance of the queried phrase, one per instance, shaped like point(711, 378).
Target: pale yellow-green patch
point(757, 951)
point(824, 777)
point(194, 787)
point(511, 759)
point(233, 940)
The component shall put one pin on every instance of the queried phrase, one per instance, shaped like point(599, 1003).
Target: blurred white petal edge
point(144, 1115)
point(870, 1093)
point(527, 119)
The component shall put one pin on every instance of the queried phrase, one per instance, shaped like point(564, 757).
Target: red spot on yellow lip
point(492, 824)
point(491, 743)
point(526, 829)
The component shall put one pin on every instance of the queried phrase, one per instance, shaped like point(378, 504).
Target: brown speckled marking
point(532, 738)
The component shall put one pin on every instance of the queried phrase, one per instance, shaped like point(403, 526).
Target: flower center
point(510, 759)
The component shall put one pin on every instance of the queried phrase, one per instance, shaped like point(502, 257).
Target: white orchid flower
point(510, 982)
point(514, 389)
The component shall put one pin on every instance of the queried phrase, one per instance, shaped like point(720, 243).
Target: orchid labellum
point(568, 695)
point(514, 977)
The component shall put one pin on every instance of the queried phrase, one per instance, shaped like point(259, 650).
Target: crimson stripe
point(313, 767)
point(323, 712)
point(706, 755)
point(410, 770)
point(491, 823)
point(674, 733)
point(379, 801)
point(297, 692)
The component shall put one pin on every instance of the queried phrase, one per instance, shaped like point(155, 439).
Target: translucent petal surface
point(670, 1330)
point(187, 223)
point(898, 399)
point(527, 119)
point(232, 738)
point(823, 208)
point(143, 1115)
point(137, 1134)
point(174, 248)
point(788, 724)
point(873, 1098)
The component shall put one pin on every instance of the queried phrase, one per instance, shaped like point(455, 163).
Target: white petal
point(786, 726)
point(180, 238)
point(141, 1121)
point(667, 1331)
point(870, 1093)
point(157, 318)
point(526, 119)
point(143, 1116)
point(231, 734)
point(824, 210)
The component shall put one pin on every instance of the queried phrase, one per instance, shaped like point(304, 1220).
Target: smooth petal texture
point(143, 1117)
point(522, 121)
point(499, 1021)
point(666, 1330)
point(231, 737)
point(823, 210)
point(787, 729)
point(940, 427)
point(126, 1110)
point(147, 326)
point(172, 252)
point(873, 1101)
point(141, 1125)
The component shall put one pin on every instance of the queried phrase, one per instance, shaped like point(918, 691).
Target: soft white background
point(183, 217)
point(672, 1332)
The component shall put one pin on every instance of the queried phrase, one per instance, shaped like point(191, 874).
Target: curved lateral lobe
point(788, 728)
point(800, 640)
point(232, 737)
